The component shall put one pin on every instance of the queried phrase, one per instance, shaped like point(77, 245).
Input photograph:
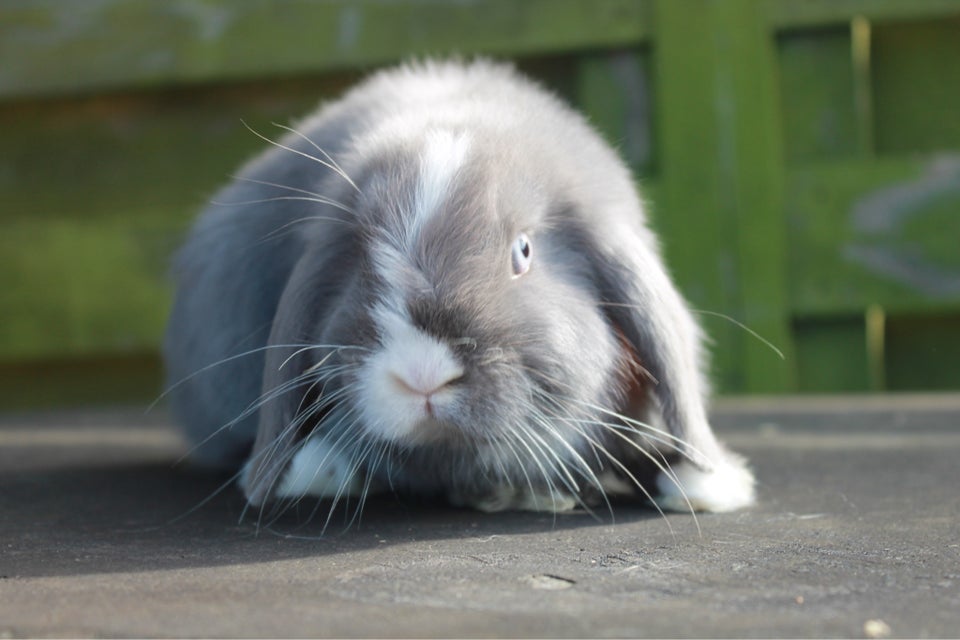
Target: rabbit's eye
point(521, 255)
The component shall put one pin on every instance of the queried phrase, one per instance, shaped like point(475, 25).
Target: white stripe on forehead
point(442, 157)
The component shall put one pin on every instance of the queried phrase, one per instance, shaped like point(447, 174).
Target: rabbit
point(443, 284)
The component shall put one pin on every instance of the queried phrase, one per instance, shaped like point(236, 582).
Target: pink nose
point(422, 383)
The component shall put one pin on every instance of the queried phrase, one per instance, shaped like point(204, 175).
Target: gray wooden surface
point(857, 523)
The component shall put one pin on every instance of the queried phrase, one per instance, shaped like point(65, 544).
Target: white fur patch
point(404, 386)
point(390, 265)
point(318, 470)
point(729, 486)
point(441, 158)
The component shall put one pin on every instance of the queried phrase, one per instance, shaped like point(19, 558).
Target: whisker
point(218, 363)
point(223, 487)
point(508, 442)
point(251, 408)
point(684, 446)
point(267, 454)
point(333, 448)
point(647, 437)
point(585, 472)
point(582, 466)
point(342, 491)
point(710, 313)
point(343, 441)
point(379, 451)
point(617, 430)
point(744, 327)
point(287, 228)
point(556, 464)
point(547, 477)
point(663, 466)
point(336, 349)
point(317, 199)
point(306, 192)
point(333, 164)
point(629, 474)
point(500, 473)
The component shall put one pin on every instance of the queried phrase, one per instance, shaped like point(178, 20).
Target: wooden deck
point(103, 535)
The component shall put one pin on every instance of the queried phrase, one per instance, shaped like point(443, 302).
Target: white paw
point(317, 470)
point(727, 487)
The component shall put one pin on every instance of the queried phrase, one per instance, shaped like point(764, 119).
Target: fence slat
point(832, 354)
point(96, 194)
point(796, 14)
point(816, 78)
point(916, 82)
point(720, 180)
point(801, 158)
point(49, 48)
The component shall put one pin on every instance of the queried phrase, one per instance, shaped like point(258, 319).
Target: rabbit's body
point(443, 283)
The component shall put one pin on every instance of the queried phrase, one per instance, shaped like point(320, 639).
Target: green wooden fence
point(801, 159)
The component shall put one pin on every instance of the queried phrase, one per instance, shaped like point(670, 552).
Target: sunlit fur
point(349, 321)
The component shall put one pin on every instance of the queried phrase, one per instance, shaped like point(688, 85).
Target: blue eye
point(520, 255)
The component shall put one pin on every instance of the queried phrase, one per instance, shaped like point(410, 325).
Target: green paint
point(721, 180)
point(816, 95)
point(614, 91)
point(48, 48)
point(844, 257)
point(134, 378)
point(799, 158)
point(922, 352)
point(916, 79)
point(797, 14)
point(832, 355)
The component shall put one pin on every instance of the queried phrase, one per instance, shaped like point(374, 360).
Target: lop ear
point(646, 308)
point(280, 428)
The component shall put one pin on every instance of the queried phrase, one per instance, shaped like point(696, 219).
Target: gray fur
point(292, 280)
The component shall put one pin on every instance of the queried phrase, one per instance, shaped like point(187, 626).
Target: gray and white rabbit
point(443, 284)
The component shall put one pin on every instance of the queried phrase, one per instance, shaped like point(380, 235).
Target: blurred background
point(800, 159)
